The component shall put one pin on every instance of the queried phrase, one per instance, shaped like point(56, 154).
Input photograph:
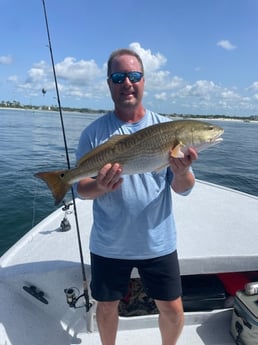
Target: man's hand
point(109, 178)
point(180, 166)
point(183, 178)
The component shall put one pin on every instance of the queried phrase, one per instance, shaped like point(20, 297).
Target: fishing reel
point(65, 224)
point(73, 296)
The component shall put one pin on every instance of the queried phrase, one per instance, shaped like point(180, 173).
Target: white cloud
point(161, 96)
point(6, 60)
point(229, 94)
point(13, 78)
point(162, 80)
point(225, 44)
point(80, 79)
point(203, 96)
point(201, 88)
point(36, 74)
point(78, 72)
point(253, 86)
point(151, 62)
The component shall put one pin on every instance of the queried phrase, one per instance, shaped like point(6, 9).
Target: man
point(133, 220)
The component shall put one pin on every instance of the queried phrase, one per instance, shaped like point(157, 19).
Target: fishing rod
point(85, 284)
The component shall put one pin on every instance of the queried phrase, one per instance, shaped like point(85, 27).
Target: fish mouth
point(217, 138)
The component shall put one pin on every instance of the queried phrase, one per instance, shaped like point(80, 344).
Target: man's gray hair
point(120, 52)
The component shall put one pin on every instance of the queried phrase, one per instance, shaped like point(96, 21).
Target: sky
point(200, 56)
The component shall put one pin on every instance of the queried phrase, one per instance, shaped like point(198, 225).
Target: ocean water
point(32, 141)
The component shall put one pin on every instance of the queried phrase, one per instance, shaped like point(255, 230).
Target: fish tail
point(56, 183)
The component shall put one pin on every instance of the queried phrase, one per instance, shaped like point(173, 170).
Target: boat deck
point(216, 233)
point(197, 334)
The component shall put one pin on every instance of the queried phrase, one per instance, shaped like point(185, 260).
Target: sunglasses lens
point(119, 77)
point(134, 77)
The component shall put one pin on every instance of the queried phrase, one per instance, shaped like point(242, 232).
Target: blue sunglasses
point(119, 77)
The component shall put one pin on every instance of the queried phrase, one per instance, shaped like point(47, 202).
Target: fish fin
point(56, 183)
point(176, 151)
point(107, 144)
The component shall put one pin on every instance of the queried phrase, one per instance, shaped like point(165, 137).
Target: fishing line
point(85, 284)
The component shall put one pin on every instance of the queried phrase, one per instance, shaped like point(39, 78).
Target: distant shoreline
point(214, 118)
point(253, 119)
point(229, 119)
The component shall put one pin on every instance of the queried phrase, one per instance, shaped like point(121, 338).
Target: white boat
point(217, 232)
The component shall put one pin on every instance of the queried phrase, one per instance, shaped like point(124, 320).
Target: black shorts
point(160, 277)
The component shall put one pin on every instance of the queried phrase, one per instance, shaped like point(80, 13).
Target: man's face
point(127, 94)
